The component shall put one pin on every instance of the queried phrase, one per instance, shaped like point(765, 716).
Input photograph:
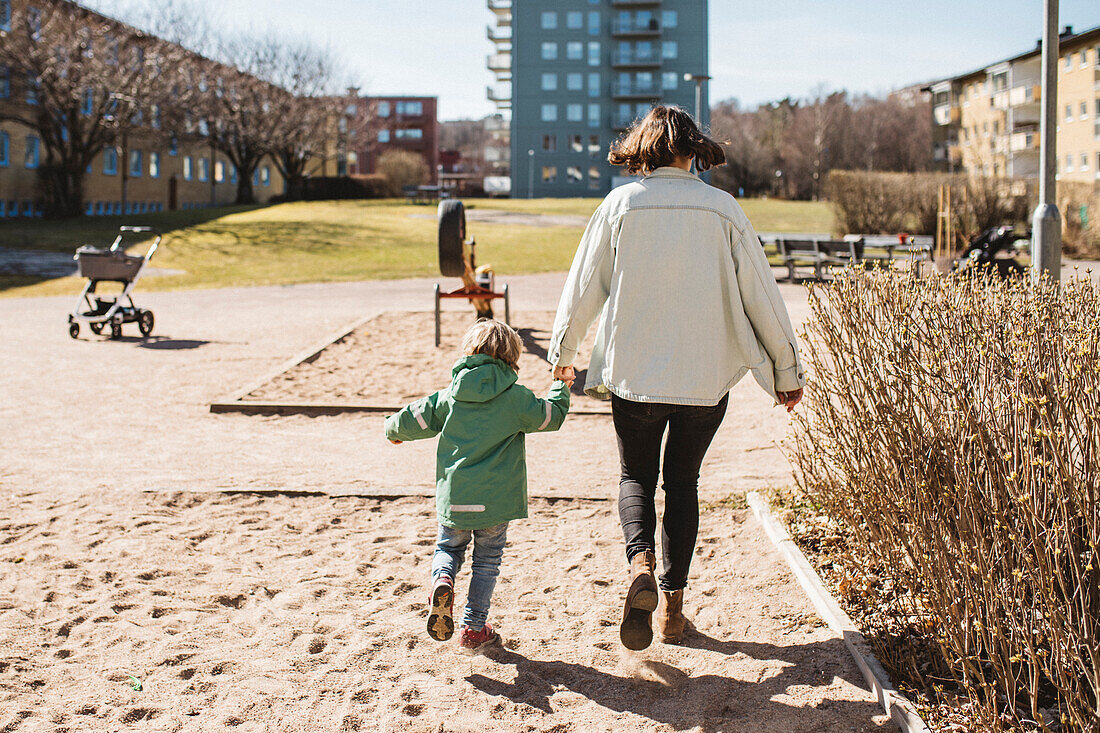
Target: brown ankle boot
point(670, 617)
point(641, 599)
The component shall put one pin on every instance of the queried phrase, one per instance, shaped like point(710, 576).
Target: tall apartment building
point(986, 122)
point(580, 72)
point(146, 171)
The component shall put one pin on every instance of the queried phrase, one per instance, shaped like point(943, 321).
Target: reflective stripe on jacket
point(684, 295)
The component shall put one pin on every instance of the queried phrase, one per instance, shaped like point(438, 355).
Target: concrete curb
point(900, 710)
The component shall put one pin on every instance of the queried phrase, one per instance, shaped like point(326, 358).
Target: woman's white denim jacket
point(686, 300)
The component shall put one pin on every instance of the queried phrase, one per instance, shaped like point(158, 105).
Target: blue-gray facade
point(581, 72)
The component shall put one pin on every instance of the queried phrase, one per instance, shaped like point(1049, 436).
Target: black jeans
point(640, 427)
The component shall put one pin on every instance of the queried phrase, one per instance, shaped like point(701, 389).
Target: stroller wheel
point(74, 330)
point(145, 323)
point(97, 328)
point(116, 330)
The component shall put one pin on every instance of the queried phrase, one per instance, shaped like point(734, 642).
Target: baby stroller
point(111, 265)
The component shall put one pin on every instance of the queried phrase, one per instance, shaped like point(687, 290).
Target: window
point(549, 51)
point(549, 113)
point(4, 148)
point(1069, 113)
point(549, 143)
point(574, 82)
point(1084, 161)
point(204, 169)
point(574, 112)
point(154, 165)
point(593, 115)
point(30, 156)
point(32, 89)
point(574, 20)
point(173, 145)
point(1084, 58)
point(593, 53)
point(1069, 162)
point(576, 144)
point(219, 171)
point(574, 50)
point(265, 175)
point(669, 49)
point(669, 19)
point(593, 23)
point(594, 84)
point(233, 174)
point(549, 174)
point(593, 145)
point(669, 80)
point(5, 15)
point(110, 161)
point(5, 81)
point(88, 102)
point(549, 82)
point(1084, 110)
point(34, 22)
point(136, 164)
point(383, 109)
point(188, 169)
point(594, 177)
point(573, 174)
point(1069, 61)
point(411, 133)
point(410, 109)
point(383, 136)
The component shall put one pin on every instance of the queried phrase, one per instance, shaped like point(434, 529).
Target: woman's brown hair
point(662, 136)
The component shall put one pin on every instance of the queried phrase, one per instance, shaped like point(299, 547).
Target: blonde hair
point(495, 339)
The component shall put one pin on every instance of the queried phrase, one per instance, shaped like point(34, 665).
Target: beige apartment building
point(147, 171)
point(986, 122)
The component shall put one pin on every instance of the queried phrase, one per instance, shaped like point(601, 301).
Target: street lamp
point(1046, 222)
point(698, 79)
point(531, 173)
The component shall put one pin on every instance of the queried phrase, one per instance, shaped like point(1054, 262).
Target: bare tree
point(86, 82)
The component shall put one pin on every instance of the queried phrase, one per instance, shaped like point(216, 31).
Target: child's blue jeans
point(450, 549)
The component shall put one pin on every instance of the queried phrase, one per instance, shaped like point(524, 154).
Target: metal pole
point(698, 99)
point(1046, 222)
point(530, 174)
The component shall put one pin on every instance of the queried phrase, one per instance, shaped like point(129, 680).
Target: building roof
point(1067, 38)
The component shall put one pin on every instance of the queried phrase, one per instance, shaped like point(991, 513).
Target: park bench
point(815, 253)
point(425, 194)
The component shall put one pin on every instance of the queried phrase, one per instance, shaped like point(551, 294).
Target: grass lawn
point(336, 240)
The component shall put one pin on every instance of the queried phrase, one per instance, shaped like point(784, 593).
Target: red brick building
point(395, 123)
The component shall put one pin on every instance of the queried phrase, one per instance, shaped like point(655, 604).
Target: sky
point(759, 51)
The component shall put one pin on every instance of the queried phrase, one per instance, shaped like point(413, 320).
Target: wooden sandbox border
point(236, 402)
point(896, 705)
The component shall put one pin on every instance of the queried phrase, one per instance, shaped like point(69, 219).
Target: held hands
point(789, 399)
point(396, 442)
point(566, 374)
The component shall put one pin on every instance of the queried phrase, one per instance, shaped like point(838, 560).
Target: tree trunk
point(63, 189)
point(244, 189)
point(295, 187)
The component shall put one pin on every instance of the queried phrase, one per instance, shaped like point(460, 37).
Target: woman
point(687, 305)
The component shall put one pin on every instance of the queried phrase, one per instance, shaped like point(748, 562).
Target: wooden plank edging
point(900, 709)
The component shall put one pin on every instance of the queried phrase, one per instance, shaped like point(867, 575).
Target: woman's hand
point(566, 374)
point(790, 399)
point(396, 442)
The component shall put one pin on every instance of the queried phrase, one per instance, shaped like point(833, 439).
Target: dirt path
point(304, 613)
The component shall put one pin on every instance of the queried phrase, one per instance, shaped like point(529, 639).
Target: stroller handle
point(138, 229)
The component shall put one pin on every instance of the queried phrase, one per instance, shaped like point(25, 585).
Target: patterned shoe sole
point(441, 623)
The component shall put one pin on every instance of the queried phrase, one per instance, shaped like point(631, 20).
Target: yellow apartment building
point(145, 172)
point(986, 122)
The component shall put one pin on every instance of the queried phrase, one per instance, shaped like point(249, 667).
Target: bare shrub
point(953, 430)
point(402, 168)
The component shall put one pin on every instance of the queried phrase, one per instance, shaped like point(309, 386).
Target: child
point(481, 472)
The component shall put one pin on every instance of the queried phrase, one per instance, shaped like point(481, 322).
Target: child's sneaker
point(441, 623)
point(472, 641)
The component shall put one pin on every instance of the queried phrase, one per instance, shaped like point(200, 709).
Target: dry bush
point(886, 203)
point(402, 168)
point(952, 430)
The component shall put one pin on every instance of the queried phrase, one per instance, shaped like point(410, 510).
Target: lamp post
point(698, 79)
point(531, 173)
point(1046, 222)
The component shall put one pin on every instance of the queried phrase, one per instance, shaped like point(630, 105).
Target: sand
point(131, 544)
point(392, 360)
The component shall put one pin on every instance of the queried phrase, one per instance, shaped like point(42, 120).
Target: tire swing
point(457, 259)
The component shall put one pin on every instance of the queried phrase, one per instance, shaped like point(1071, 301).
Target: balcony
point(499, 34)
point(632, 58)
point(501, 7)
point(499, 62)
point(946, 114)
point(632, 27)
point(1021, 142)
point(634, 90)
point(500, 97)
point(1024, 95)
